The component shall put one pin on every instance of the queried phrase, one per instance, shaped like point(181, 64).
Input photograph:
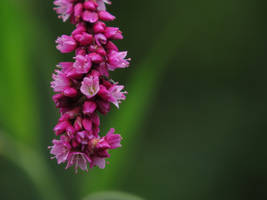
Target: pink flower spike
point(91, 17)
point(90, 86)
point(83, 88)
point(117, 60)
point(66, 44)
point(79, 160)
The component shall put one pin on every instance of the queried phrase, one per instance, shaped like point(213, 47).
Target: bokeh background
point(194, 124)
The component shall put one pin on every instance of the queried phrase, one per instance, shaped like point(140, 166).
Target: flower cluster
point(83, 87)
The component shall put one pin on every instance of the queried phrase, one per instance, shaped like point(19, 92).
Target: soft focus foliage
point(112, 196)
point(193, 124)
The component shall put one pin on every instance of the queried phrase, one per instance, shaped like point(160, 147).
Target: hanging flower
point(83, 88)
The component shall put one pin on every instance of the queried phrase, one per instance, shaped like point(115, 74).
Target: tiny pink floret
point(64, 8)
point(117, 60)
point(66, 44)
point(90, 86)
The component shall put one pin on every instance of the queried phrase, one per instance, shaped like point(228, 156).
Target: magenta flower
point(117, 60)
point(101, 4)
point(64, 8)
point(98, 161)
point(60, 149)
point(113, 33)
point(89, 107)
point(83, 38)
point(100, 39)
point(114, 140)
point(116, 95)
point(113, 94)
point(89, 16)
point(66, 44)
point(105, 16)
point(101, 147)
point(79, 160)
point(83, 87)
point(90, 86)
point(60, 82)
point(82, 64)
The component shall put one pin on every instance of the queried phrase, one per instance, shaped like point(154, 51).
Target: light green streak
point(19, 114)
point(112, 196)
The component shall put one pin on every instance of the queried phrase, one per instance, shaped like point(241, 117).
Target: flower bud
point(91, 17)
point(89, 107)
point(105, 16)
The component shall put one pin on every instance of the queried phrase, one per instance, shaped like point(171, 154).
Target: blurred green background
point(194, 124)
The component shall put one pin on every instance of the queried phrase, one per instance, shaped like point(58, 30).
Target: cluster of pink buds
point(83, 88)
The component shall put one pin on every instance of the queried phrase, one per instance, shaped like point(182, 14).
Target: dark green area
point(194, 124)
point(14, 183)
